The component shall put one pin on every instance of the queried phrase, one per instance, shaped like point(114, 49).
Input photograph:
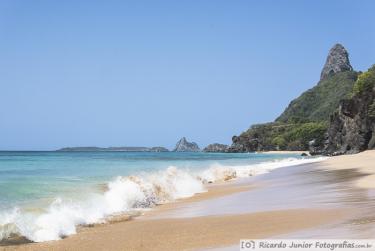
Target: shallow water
point(45, 195)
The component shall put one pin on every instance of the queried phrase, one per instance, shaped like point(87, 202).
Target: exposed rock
point(216, 147)
point(184, 146)
point(337, 61)
point(316, 147)
point(248, 143)
point(352, 127)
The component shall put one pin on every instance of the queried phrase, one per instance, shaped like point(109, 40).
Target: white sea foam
point(124, 194)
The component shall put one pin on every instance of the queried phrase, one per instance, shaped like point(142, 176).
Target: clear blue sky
point(145, 73)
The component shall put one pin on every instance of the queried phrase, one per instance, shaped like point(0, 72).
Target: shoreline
point(181, 232)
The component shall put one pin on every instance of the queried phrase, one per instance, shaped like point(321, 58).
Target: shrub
point(365, 81)
point(279, 142)
point(302, 134)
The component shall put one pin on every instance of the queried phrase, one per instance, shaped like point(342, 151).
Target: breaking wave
point(125, 194)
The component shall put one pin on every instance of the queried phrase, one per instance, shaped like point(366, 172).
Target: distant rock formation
point(184, 146)
point(114, 149)
point(337, 61)
point(216, 147)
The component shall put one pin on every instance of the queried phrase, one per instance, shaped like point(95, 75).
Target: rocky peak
point(337, 61)
point(185, 146)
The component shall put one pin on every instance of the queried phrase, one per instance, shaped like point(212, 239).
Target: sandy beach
point(363, 162)
point(329, 199)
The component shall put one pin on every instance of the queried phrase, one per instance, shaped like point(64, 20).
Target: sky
point(146, 73)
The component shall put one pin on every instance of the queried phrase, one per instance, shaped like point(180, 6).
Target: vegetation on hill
point(365, 82)
point(318, 103)
point(280, 136)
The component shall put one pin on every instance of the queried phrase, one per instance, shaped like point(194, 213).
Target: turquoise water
point(85, 187)
point(28, 176)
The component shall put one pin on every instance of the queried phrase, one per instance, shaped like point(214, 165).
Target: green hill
point(319, 102)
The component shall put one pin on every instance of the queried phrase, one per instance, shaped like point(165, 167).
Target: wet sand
point(320, 200)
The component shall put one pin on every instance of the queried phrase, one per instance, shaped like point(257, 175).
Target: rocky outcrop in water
point(337, 61)
point(184, 146)
point(216, 148)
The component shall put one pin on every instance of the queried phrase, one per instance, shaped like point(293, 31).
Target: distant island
point(113, 149)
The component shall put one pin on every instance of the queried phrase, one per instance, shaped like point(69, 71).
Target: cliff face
point(352, 127)
point(184, 146)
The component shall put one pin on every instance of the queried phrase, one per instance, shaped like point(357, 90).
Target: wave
point(125, 194)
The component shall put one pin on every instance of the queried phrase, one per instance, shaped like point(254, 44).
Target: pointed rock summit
point(337, 61)
point(184, 146)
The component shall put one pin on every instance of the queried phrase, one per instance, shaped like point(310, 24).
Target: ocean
point(46, 195)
